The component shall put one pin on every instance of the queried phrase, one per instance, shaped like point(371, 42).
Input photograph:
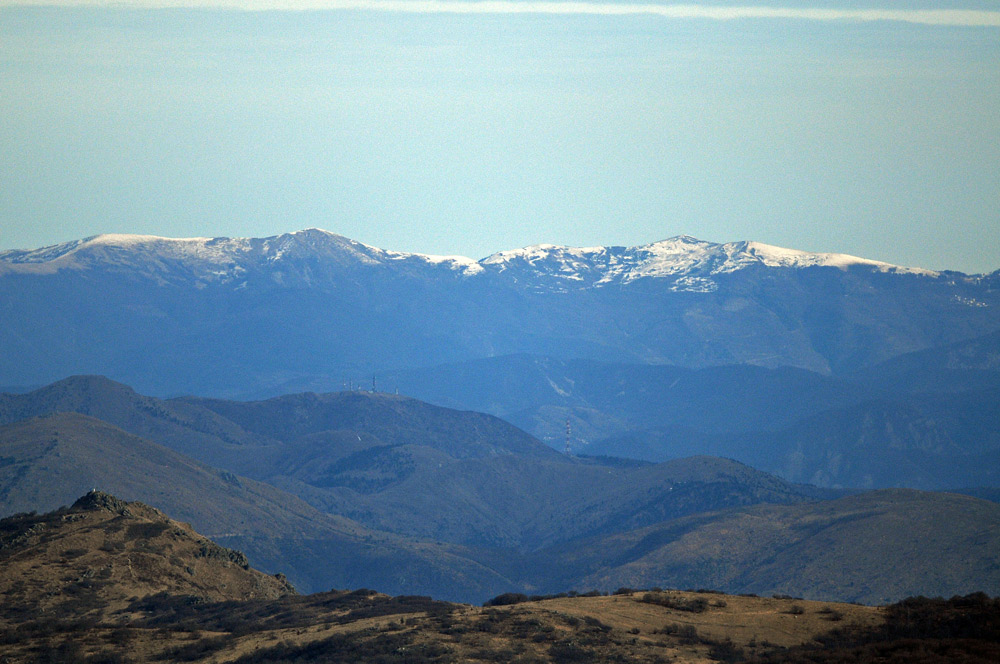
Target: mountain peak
point(99, 500)
point(72, 388)
point(314, 231)
point(681, 255)
point(112, 553)
point(95, 396)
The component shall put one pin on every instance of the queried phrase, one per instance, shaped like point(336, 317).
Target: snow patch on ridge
point(213, 259)
point(585, 266)
point(690, 264)
point(457, 263)
point(779, 257)
point(679, 255)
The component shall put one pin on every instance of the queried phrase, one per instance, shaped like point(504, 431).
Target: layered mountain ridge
point(408, 498)
point(315, 311)
point(924, 420)
point(689, 261)
point(219, 260)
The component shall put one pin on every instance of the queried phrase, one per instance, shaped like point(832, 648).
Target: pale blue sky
point(469, 134)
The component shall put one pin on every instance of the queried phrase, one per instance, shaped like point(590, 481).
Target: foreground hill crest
point(72, 602)
point(103, 553)
point(97, 500)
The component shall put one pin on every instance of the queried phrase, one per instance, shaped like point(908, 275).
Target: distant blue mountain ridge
point(314, 310)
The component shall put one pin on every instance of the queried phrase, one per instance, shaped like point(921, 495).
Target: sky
point(465, 128)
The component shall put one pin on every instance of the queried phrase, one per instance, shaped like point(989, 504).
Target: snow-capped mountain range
point(307, 310)
point(689, 263)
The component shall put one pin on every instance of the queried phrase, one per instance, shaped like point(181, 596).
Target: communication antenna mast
point(569, 432)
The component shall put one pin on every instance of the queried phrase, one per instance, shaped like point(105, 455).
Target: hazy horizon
point(443, 132)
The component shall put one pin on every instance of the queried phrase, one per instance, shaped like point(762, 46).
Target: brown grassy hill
point(99, 555)
point(108, 581)
point(363, 626)
point(620, 628)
